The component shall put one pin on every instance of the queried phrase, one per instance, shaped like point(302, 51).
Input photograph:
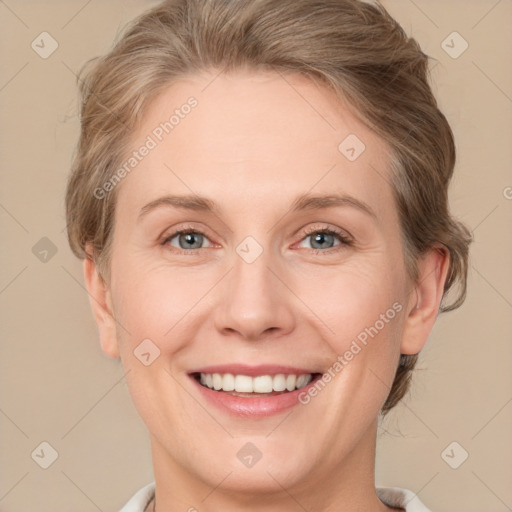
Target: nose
point(253, 302)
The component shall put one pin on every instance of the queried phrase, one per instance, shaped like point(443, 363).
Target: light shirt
point(391, 496)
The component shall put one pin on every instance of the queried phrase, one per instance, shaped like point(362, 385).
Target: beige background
point(57, 386)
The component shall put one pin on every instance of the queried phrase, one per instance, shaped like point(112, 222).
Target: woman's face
point(257, 287)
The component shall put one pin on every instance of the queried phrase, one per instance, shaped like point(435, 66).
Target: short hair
point(354, 48)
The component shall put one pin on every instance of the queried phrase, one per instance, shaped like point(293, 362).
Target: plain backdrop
point(57, 386)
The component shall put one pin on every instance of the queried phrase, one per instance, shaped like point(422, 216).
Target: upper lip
point(253, 371)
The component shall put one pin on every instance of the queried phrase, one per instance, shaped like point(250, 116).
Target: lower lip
point(257, 407)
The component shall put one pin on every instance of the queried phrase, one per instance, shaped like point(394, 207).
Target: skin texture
point(255, 141)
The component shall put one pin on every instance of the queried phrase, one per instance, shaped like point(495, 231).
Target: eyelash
point(342, 237)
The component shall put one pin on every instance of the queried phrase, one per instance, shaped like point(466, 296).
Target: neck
point(330, 486)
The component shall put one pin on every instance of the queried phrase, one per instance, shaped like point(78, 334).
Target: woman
point(260, 198)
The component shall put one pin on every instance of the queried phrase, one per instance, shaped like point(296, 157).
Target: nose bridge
point(251, 274)
point(253, 302)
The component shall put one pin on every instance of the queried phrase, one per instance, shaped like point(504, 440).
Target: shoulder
point(403, 498)
point(139, 501)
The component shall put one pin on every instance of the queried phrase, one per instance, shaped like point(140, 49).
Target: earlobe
point(100, 300)
point(425, 300)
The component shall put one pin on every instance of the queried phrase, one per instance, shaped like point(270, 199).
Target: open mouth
point(257, 386)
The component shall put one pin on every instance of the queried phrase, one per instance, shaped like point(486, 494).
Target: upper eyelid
point(185, 229)
point(337, 231)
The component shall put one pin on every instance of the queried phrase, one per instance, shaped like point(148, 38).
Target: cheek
point(153, 305)
point(358, 301)
point(153, 300)
point(166, 305)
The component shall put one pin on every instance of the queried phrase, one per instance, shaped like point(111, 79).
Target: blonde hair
point(355, 48)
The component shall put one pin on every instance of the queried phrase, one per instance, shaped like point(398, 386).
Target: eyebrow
point(302, 202)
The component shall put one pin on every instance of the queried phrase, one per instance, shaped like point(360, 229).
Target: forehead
point(248, 138)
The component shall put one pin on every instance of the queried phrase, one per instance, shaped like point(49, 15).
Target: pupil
point(320, 237)
point(189, 237)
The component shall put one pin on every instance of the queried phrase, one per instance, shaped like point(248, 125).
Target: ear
point(101, 303)
point(425, 299)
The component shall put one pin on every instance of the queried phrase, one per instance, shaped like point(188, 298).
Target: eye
point(187, 240)
point(324, 239)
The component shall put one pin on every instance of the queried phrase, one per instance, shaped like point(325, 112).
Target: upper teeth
point(259, 384)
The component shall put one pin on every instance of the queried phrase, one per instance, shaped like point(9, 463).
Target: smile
point(261, 384)
point(252, 392)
